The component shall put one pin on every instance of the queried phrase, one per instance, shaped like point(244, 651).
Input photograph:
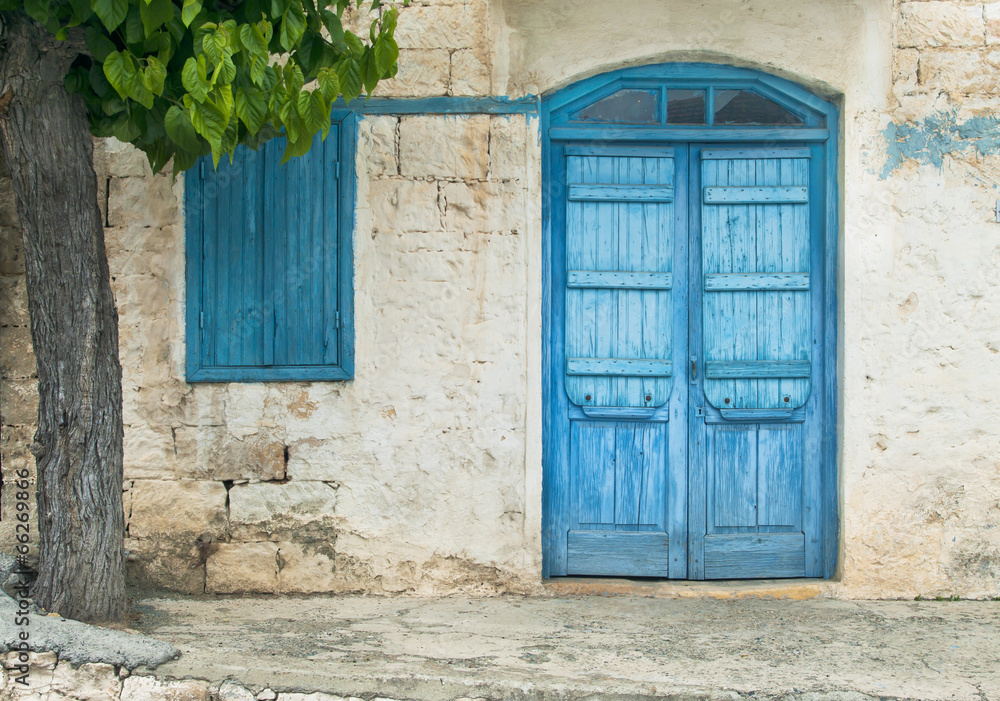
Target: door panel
point(619, 257)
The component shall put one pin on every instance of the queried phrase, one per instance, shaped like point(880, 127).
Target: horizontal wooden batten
point(438, 105)
point(756, 369)
point(756, 195)
point(620, 193)
point(717, 134)
point(754, 555)
point(618, 553)
point(752, 282)
point(728, 154)
point(608, 279)
point(620, 151)
point(623, 367)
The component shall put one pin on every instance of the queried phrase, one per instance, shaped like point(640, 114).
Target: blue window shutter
point(619, 255)
point(302, 258)
point(755, 257)
point(232, 280)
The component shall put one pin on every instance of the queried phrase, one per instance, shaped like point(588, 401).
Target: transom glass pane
point(747, 107)
point(685, 106)
point(624, 107)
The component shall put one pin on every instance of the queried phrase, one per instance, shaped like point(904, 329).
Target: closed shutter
point(302, 203)
point(619, 252)
point(232, 261)
point(757, 277)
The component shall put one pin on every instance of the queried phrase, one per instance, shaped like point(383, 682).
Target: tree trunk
point(74, 328)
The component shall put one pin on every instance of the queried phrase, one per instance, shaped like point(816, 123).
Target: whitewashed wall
point(424, 473)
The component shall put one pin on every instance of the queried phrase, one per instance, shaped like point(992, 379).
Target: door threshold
point(793, 589)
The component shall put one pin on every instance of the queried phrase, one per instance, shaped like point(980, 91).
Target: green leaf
point(154, 75)
point(37, 10)
point(158, 153)
point(385, 53)
point(369, 73)
point(329, 83)
point(155, 13)
point(194, 78)
point(210, 122)
point(225, 72)
point(113, 105)
point(177, 122)
point(138, 91)
point(389, 20)
point(333, 25)
point(293, 26)
point(251, 108)
point(349, 73)
point(253, 41)
point(354, 45)
point(111, 12)
point(183, 160)
point(189, 11)
point(98, 44)
point(119, 70)
point(278, 7)
point(296, 148)
point(124, 129)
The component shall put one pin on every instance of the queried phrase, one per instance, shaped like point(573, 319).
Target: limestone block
point(242, 568)
point(508, 145)
point(991, 13)
point(15, 451)
point(142, 298)
point(150, 453)
point(234, 691)
point(41, 667)
point(163, 508)
point(422, 73)
point(940, 24)
point(377, 145)
point(142, 202)
point(13, 301)
point(316, 696)
point(442, 26)
point(484, 207)
point(8, 203)
point(469, 74)
point(444, 146)
point(963, 72)
point(266, 510)
point(212, 452)
point(169, 239)
point(89, 682)
point(17, 358)
point(305, 568)
point(137, 688)
point(399, 206)
point(11, 251)
point(170, 563)
point(19, 401)
point(116, 159)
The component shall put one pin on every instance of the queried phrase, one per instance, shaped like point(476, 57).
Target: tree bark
point(74, 328)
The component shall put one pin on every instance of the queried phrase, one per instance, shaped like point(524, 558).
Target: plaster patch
point(937, 135)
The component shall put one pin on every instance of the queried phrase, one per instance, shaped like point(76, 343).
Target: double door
point(686, 421)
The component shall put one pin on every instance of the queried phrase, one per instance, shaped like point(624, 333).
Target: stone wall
point(424, 473)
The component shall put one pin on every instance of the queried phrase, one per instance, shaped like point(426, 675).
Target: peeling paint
point(936, 136)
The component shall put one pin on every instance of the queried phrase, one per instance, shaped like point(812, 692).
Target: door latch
point(694, 369)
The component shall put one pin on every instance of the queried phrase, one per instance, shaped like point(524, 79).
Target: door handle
point(694, 369)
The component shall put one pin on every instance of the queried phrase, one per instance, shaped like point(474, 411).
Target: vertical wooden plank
point(734, 477)
point(331, 265)
point(769, 304)
point(606, 323)
point(654, 445)
point(630, 467)
point(779, 477)
point(273, 206)
point(592, 465)
point(697, 175)
point(744, 303)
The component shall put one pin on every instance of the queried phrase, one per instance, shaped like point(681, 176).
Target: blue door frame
point(686, 417)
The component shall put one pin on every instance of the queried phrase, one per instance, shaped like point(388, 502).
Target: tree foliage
point(184, 78)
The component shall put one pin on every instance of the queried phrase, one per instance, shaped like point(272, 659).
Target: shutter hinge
point(335, 168)
point(201, 168)
point(201, 320)
point(336, 320)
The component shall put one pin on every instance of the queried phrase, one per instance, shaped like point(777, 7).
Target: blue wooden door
point(623, 293)
point(685, 281)
point(756, 432)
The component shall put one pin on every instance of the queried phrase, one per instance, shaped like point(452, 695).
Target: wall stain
point(934, 137)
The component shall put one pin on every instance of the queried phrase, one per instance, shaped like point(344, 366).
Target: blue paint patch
point(931, 139)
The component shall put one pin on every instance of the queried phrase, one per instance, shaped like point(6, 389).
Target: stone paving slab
point(589, 647)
